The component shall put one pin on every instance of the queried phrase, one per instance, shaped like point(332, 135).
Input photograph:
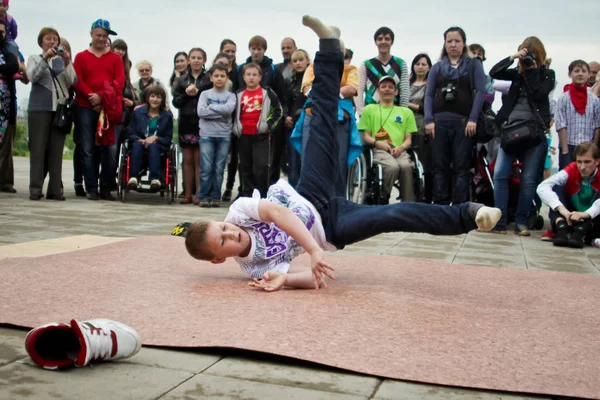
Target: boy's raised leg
point(317, 177)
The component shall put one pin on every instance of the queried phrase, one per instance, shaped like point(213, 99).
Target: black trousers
point(255, 162)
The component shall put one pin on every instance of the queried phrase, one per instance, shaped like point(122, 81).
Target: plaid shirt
point(580, 127)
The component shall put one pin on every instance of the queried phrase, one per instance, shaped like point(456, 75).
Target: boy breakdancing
point(264, 236)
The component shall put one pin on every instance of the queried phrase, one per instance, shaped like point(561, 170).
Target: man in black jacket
point(9, 65)
point(288, 47)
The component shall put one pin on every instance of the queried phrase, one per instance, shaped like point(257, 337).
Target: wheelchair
point(365, 180)
point(169, 162)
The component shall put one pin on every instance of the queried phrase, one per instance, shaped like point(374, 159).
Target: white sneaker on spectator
point(59, 345)
point(132, 184)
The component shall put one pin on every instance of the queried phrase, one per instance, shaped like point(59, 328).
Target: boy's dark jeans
point(254, 151)
point(451, 147)
point(346, 222)
point(564, 199)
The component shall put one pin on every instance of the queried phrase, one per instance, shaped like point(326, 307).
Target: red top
point(251, 108)
point(93, 71)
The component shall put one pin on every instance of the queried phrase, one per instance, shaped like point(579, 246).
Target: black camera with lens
point(59, 49)
point(449, 93)
point(529, 60)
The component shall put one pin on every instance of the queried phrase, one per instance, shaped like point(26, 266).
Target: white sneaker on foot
point(54, 346)
point(487, 218)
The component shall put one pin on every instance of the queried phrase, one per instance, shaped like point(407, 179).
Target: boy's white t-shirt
point(271, 248)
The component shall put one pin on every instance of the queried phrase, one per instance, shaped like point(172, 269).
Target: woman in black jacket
point(186, 92)
point(527, 100)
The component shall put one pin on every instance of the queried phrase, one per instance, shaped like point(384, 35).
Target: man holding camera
point(99, 71)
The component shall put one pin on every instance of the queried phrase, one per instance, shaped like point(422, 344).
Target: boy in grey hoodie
point(215, 107)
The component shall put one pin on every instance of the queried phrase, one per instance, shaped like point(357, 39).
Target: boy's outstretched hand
point(271, 282)
point(320, 268)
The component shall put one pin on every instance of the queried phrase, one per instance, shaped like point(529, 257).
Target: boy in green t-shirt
point(388, 128)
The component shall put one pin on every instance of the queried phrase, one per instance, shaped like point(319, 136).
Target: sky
point(156, 30)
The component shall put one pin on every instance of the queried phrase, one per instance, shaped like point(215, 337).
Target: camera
point(449, 93)
point(529, 59)
point(59, 49)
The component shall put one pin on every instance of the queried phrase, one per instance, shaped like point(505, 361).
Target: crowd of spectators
point(256, 115)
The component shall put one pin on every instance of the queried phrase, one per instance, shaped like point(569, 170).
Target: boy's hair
point(43, 32)
point(477, 47)
point(251, 65)
point(156, 89)
point(578, 63)
point(349, 54)
point(218, 67)
point(384, 30)
point(195, 241)
point(585, 148)
point(258, 41)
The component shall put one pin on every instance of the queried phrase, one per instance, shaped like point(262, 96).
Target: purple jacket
point(11, 28)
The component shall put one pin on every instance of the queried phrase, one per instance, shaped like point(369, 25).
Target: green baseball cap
point(103, 24)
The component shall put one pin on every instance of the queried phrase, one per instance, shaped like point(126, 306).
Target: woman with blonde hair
point(146, 80)
point(525, 107)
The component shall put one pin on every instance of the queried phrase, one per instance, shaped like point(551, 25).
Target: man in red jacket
point(94, 67)
point(573, 195)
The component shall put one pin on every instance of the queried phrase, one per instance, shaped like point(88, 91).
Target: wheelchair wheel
point(418, 178)
point(357, 180)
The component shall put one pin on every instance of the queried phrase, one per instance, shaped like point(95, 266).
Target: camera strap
point(56, 82)
point(532, 105)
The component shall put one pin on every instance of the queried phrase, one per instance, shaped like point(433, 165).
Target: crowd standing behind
point(254, 118)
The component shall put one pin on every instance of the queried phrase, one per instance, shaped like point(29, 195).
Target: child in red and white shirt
point(258, 112)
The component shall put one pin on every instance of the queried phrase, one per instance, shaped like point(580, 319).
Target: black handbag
point(487, 128)
point(63, 117)
point(522, 135)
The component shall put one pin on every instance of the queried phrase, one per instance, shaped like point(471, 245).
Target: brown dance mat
point(394, 317)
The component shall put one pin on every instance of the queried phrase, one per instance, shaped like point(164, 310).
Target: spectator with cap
point(99, 91)
point(9, 65)
point(385, 64)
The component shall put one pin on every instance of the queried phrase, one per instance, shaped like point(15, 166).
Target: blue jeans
point(452, 153)
point(346, 222)
point(213, 156)
point(154, 150)
point(86, 121)
point(532, 160)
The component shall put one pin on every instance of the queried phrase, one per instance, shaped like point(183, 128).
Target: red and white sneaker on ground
point(55, 345)
point(548, 236)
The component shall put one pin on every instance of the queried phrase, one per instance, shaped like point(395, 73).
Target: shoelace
point(100, 343)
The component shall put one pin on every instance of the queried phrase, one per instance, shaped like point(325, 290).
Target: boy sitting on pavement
point(573, 195)
point(265, 235)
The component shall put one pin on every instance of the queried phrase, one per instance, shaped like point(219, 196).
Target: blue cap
point(103, 24)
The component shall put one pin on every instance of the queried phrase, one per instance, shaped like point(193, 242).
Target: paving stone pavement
point(171, 374)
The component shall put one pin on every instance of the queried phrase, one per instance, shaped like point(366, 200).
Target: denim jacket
point(138, 128)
